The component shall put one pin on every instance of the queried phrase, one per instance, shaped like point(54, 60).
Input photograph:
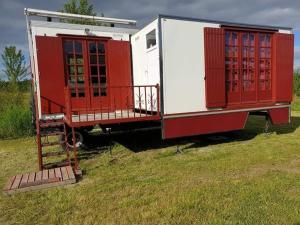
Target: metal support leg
point(110, 141)
point(74, 149)
point(267, 126)
point(66, 144)
point(39, 145)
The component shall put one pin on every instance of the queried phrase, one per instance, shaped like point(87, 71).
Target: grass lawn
point(243, 177)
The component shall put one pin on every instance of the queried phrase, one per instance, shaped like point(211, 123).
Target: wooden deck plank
point(58, 173)
point(9, 183)
point(64, 173)
point(45, 174)
point(31, 177)
point(51, 174)
point(70, 172)
point(17, 181)
point(38, 176)
point(24, 178)
point(35, 181)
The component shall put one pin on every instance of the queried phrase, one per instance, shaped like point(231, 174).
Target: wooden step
point(54, 143)
point(57, 164)
point(51, 133)
point(49, 154)
point(38, 180)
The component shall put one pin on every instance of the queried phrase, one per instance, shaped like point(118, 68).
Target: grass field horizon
point(240, 177)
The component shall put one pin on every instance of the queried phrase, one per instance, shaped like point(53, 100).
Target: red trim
point(83, 37)
point(249, 29)
point(237, 107)
point(112, 121)
point(204, 124)
point(279, 116)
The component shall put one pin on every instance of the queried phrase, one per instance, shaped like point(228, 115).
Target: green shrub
point(15, 121)
point(297, 84)
point(15, 112)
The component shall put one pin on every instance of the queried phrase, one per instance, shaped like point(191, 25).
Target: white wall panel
point(183, 65)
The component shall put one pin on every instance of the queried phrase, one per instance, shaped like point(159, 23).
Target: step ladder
point(47, 129)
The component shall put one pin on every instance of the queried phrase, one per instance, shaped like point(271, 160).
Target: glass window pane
point(78, 47)
point(94, 80)
point(79, 59)
point(68, 46)
point(73, 92)
point(79, 70)
point(72, 80)
point(93, 59)
point(102, 70)
point(92, 47)
point(96, 92)
point(101, 59)
point(71, 70)
point(80, 79)
point(70, 59)
point(103, 91)
point(81, 93)
point(151, 39)
point(94, 70)
point(103, 80)
point(101, 48)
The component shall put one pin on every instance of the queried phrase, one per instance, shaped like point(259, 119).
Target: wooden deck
point(40, 180)
point(125, 114)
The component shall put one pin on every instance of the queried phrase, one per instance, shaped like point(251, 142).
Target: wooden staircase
point(47, 130)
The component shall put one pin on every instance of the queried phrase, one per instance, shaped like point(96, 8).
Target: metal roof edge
point(225, 23)
point(39, 23)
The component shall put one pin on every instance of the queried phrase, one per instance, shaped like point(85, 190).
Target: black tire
point(79, 140)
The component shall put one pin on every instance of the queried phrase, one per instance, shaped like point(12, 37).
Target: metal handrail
point(122, 102)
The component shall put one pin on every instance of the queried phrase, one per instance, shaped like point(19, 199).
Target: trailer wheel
point(79, 140)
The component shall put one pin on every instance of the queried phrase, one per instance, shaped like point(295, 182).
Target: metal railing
point(120, 104)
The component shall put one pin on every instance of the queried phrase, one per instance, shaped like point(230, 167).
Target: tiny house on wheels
point(187, 76)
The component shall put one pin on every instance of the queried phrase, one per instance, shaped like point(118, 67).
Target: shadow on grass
point(139, 141)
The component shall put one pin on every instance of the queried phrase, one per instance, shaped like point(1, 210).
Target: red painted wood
point(279, 116)
point(214, 40)
point(205, 124)
point(283, 68)
point(51, 74)
point(119, 69)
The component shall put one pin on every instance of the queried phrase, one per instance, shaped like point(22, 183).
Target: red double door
point(88, 66)
point(248, 67)
point(86, 73)
point(98, 73)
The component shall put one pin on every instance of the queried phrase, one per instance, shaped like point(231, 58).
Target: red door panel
point(247, 69)
point(119, 67)
point(264, 67)
point(233, 67)
point(284, 58)
point(76, 72)
point(51, 74)
point(98, 75)
point(214, 67)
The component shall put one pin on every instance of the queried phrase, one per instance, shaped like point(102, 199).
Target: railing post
point(68, 104)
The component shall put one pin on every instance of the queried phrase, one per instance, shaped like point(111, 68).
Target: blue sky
point(297, 48)
point(266, 12)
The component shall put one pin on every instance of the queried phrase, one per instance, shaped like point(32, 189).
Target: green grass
point(240, 177)
point(296, 103)
point(243, 177)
